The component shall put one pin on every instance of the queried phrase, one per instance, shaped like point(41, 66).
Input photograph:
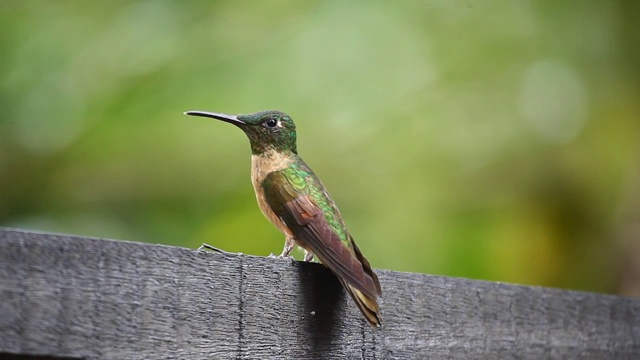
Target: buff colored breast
point(261, 166)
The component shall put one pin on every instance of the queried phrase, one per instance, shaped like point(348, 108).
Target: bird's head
point(266, 130)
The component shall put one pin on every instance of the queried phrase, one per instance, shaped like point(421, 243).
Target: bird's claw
point(281, 256)
point(308, 257)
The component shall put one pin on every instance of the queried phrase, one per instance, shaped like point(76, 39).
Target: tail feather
point(368, 305)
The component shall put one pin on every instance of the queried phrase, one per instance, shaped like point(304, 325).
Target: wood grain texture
point(87, 298)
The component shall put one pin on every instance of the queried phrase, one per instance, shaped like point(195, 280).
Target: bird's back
point(299, 200)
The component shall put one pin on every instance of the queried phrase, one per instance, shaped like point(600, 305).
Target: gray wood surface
point(89, 298)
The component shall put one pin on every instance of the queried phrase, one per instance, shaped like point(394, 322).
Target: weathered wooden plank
point(89, 298)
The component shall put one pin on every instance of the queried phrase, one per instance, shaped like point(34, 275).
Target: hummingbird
point(294, 199)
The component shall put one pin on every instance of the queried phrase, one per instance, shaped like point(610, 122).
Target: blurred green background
point(495, 139)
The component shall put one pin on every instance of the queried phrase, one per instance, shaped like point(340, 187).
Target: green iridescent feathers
point(270, 130)
point(300, 180)
point(300, 200)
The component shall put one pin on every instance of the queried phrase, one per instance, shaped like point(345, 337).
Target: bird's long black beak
point(232, 119)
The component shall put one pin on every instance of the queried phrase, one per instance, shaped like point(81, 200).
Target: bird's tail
point(368, 306)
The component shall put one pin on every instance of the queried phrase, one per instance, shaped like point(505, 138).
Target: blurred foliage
point(487, 139)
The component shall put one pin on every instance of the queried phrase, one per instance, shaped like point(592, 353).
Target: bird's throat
point(268, 162)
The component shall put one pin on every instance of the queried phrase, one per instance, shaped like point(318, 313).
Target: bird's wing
point(304, 206)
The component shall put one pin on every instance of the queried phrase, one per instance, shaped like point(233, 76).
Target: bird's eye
point(271, 123)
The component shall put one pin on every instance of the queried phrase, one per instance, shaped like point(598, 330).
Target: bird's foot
point(281, 256)
point(308, 257)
